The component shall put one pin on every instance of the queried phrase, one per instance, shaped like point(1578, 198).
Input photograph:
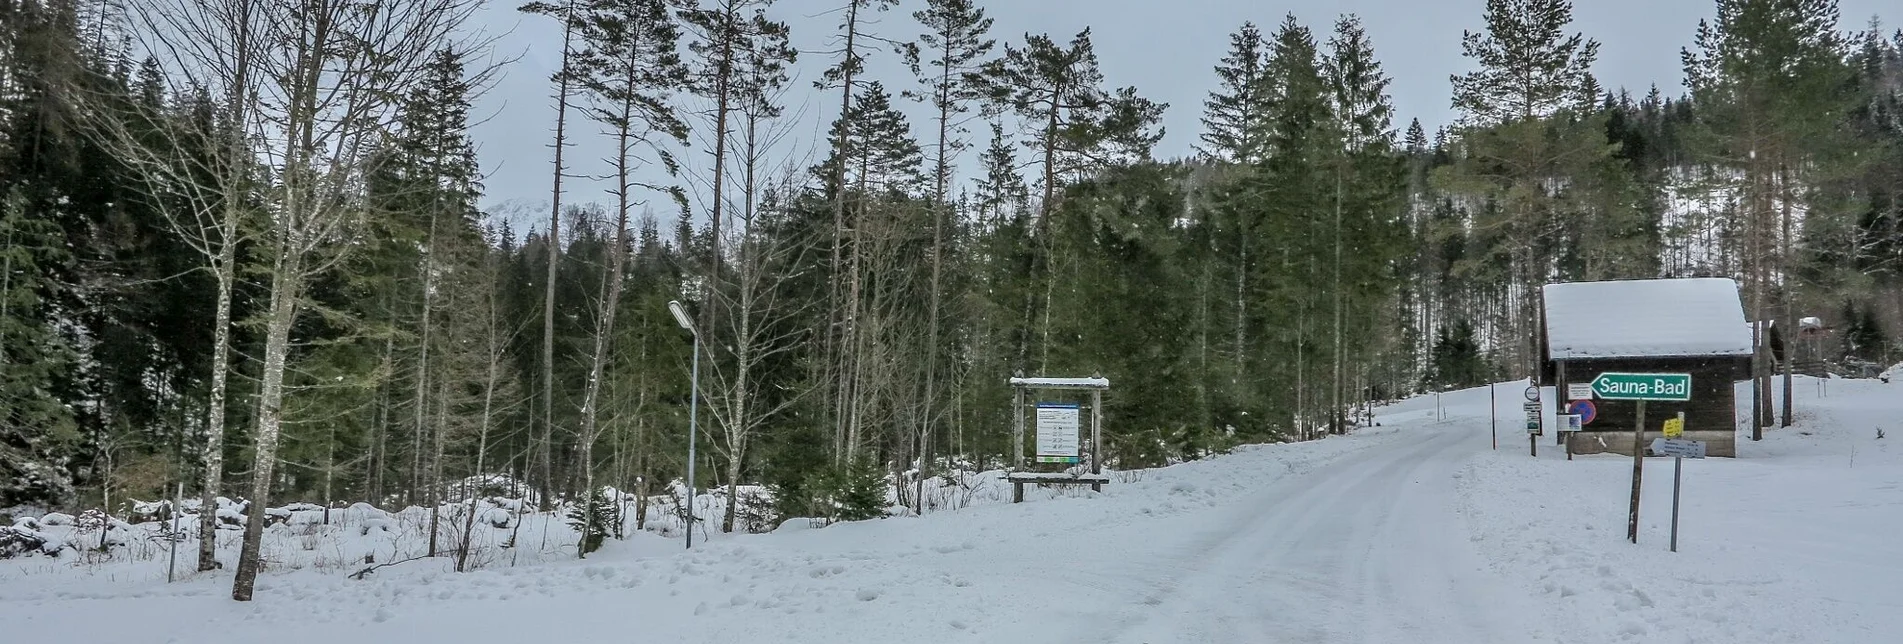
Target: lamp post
point(693, 410)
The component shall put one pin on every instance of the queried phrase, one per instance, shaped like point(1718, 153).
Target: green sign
point(1643, 386)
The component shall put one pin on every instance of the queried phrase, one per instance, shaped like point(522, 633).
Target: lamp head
point(680, 315)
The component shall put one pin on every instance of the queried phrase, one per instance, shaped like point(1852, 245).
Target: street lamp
point(693, 410)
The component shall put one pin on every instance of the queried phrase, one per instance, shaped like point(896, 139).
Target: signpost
point(1668, 387)
point(1579, 391)
point(1675, 427)
point(1679, 450)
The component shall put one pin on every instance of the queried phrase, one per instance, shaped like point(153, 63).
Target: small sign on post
point(1674, 427)
point(1579, 391)
point(1679, 450)
point(1585, 409)
point(1533, 424)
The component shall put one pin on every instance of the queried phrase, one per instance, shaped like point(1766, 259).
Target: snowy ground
point(1416, 531)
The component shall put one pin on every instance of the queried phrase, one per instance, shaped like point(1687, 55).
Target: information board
point(1057, 435)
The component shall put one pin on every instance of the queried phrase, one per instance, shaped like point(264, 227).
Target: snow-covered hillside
point(1415, 531)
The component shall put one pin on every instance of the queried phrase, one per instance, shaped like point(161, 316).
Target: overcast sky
point(1165, 48)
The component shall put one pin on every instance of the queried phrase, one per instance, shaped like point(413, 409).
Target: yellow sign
point(1674, 427)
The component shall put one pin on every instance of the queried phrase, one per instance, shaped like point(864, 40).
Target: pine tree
point(1073, 126)
point(1530, 70)
point(567, 14)
point(1770, 79)
point(1529, 67)
point(956, 32)
point(1232, 116)
point(628, 66)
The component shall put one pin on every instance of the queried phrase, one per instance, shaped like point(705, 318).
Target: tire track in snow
point(1367, 549)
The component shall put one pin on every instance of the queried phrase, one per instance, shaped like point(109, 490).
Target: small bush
point(853, 492)
point(594, 518)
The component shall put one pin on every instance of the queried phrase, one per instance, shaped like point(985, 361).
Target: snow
point(1062, 383)
point(1415, 531)
point(1646, 318)
point(1058, 476)
point(1794, 541)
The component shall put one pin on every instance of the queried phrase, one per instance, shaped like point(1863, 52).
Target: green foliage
point(1457, 362)
point(1232, 128)
point(1863, 336)
point(37, 428)
point(854, 491)
point(595, 519)
point(1529, 67)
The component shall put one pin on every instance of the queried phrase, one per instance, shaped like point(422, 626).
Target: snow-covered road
point(1412, 532)
point(1367, 549)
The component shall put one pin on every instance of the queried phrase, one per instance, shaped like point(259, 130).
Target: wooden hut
point(1693, 326)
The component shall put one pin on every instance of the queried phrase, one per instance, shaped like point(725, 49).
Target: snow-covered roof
point(1062, 383)
point(1646, 318)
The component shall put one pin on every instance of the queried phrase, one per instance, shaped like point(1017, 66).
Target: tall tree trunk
point(1335, 388)
point(844, 323)
point(1791, 333)
point(422, 363)
point(237, 163)
point(611, 285)
point(554, 260)
point(436, 489)
point(213, 451)
point(286, 288)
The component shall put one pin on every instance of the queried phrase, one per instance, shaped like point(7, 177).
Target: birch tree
point(208, 172)
point(330, 73)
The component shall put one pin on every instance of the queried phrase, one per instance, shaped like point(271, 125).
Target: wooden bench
point(1019, 479)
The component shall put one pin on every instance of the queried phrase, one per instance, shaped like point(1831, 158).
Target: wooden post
point(1560, 397)
point(1017, 428)
point(1638, 471)
point(1096, 436)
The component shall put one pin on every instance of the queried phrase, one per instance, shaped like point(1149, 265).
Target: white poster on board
point(1057, 436)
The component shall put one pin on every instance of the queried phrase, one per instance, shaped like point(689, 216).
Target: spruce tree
point(1291, 210)
point(37, 428)
point(1368, 227)
point(1233, 113)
